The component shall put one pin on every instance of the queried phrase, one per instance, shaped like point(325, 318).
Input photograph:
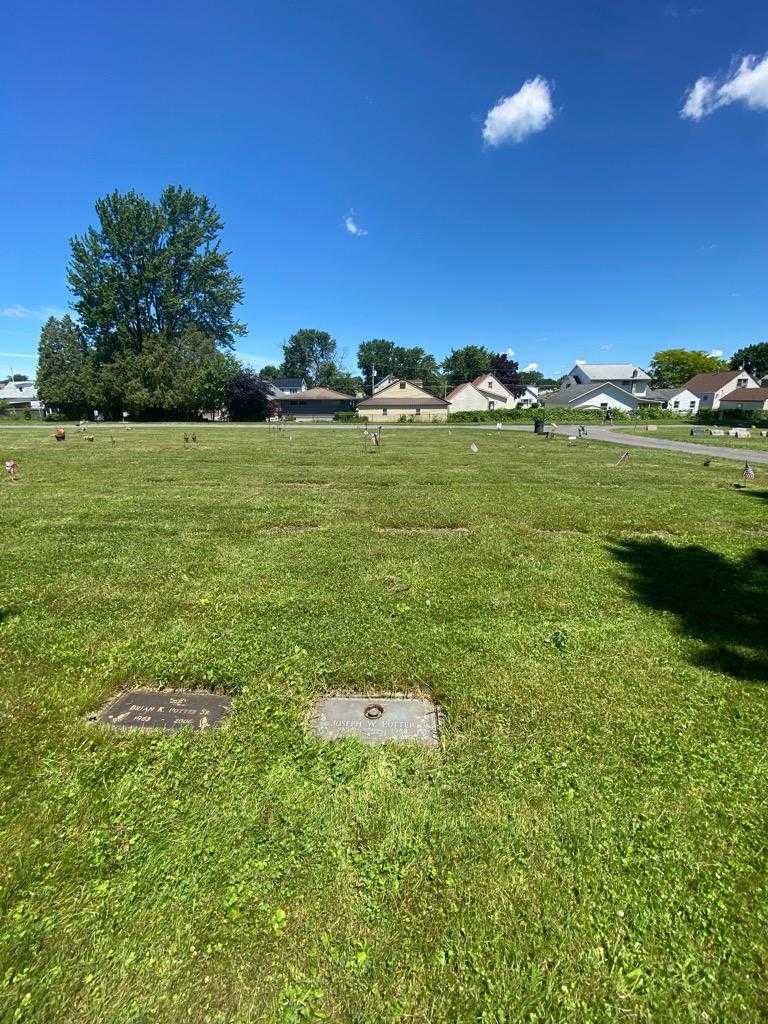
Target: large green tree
point(463, 364)
point(63, 367)
point(410, 363)
point(305, 352)
point(331, 375)
point(753, 358)
point(153, 269)
point(672, 367)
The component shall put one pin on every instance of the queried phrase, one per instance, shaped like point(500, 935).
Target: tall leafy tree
point(505, 370)
point(270, 372)
point(305, 352)
point(63, 367)
point(466, 363)
point(672, 367)
point(153, 269)
point(412, 363)
point(330, 375)
point(753, 358)
point(376, 354)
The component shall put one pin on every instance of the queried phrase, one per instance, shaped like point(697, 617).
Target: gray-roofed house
point(603, 396)
point(403, 400)
point(625, 375)
point(20, 394)
point(315, 404)
point(679, 400)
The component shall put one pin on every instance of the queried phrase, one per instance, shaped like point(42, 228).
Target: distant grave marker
point(164, 709)
point(377, 719)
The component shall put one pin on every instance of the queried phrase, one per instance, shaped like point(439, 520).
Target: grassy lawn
point(588, 845)
point(683, 433)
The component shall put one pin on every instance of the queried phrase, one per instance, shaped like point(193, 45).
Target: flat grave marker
point(164, 709)
point(377, 719)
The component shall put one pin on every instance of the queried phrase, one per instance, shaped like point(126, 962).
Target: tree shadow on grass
point(757, 494)
point(723, 604)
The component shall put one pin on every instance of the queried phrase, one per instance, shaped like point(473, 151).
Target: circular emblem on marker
point(373, 711)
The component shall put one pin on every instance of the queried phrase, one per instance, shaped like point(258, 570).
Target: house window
point(418, 411)
point(491, 405)
point(402, 383)
point(490, 383)
point(675, 405)
point(603, 405)
point(384, 412)
point(741, 382)
point(692, 405)
point(705, 398)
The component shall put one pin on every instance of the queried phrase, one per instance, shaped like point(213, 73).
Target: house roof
point(746, 395)
point(663, 394)
point(458, 389)
point(289, 382)
point(391, 398)
point(18, 391)
point(566, 396)
point(317, 395)
point(705, 383)
point(613, 371)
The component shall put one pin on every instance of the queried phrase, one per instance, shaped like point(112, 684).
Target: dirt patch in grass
point(275, 531)
point(430, 531)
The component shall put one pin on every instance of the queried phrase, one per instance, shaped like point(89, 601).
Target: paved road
point(615, 436)
point(612, 435)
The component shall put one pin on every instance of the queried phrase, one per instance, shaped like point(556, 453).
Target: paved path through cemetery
point(613, 435)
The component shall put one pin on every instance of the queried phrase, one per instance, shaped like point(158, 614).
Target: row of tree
point(155, 301)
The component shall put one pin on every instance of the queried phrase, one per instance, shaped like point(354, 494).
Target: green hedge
point(561, 414)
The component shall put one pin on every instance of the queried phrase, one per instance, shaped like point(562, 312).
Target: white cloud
point(746, 83)
point(530, 367)
point(17, 355)
point(577, 361)
point(17, 312)
point(351, 225)
point(22, 313)
point(516, 117)
point(510, 353)
point(716, 353)
point(606, 348)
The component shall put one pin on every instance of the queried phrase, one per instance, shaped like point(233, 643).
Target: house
point(315, 403)
point(746, 399)
point(624, 375)
point(487, 392)
point(710, 388)
point(20, 394)
point(605, 396)
point(385, 382)
point(403, 399)
point(290, 385)
point(675, 399)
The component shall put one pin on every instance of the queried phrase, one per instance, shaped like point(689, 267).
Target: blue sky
point(585, 217)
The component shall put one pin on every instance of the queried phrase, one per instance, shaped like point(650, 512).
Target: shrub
point(347, 416)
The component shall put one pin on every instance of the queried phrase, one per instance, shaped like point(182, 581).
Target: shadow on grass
point(719, 602)
point(758, 494)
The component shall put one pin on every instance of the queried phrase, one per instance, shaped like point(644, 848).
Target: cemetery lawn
point(683, 433)
point(589, 845)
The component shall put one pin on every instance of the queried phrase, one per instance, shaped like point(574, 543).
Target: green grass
point(683, 433)
point(588, 845)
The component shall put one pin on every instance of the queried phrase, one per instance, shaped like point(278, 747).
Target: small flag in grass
point(624, 458)
point(748, 473)
point(473, 448)
point(10, 468)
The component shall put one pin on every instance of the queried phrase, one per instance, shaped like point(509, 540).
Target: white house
point(290, 385)
point(711, 388)
point(624, 375)
point(679, 400)
point(606, 395)
point(20, 394)
point(487, 392)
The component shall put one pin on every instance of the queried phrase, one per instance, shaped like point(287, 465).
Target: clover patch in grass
point(164, 709)
point(377, 720)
